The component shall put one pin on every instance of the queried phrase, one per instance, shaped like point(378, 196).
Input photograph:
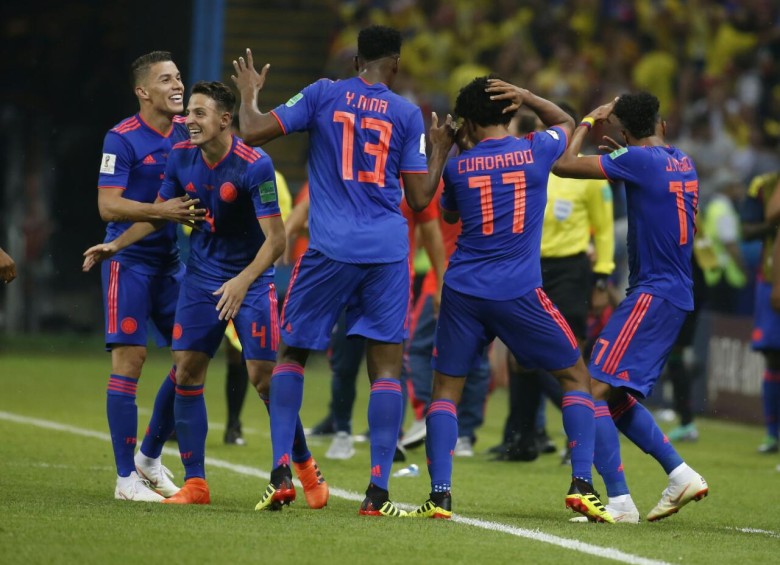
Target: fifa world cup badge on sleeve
point(267, 192)
point(108, 163)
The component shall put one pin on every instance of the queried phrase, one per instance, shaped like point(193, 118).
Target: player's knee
point(128, 361)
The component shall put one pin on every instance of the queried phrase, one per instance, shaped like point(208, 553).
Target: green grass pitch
point(57, 480)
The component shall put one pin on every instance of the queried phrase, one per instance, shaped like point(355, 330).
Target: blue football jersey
point(499, 187)
point(662, 193)
point(236, 193)
point(134, 158)
point(362, 137)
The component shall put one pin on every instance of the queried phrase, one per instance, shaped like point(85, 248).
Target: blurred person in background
point(760, 221)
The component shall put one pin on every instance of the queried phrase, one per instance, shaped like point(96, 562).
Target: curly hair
point(638, 113)
point(140, 67)
point(375, 42)
point(474, 104)
point(217, 91)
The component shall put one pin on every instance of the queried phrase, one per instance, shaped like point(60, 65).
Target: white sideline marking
point(757, 531)
point(535, 535)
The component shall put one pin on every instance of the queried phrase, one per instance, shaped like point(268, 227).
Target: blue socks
point(122, 421)
point(300, 450)
point(191, 429)
point(638, 425)
point(578, 422)
point(162, 422)
point(442, 424)
point(770, 394)
point(385, 410)
point(606, 457)
point(286, 400)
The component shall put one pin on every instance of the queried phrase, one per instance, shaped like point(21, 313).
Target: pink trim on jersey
point(161, 198)
point(493, 138)
point(130, 124)
point(606, 176)
point(179, 119)
point(281, 125)
point(218, 163)
point(119, 187)
point(113, 291)
point(245, 152)
point(269, 216)
point(168, 134)
point(556, 315)
point(290, 286)
point(627, 333)
point(274, 305)
point(186, 144)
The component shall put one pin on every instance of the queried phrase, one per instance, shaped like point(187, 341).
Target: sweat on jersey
point(662, 192)
point(134, 159)
point(362, 137)
point(236, 193)
point(499, 187)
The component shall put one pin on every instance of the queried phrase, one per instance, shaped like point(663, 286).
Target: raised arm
point(573, 165)
point(420, 188)
point(549, 112)
point(256, 127)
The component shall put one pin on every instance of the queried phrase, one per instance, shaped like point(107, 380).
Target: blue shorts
point(131, 299)
point(376, 297)
point(198, 327)
point(531, 327)
point(766, 325)
point(632, 349)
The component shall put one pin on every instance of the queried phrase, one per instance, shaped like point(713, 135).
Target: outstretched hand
point(502, 90)
point(96, 254)
point(609, 145)
point(246, 76)
point(441, 136)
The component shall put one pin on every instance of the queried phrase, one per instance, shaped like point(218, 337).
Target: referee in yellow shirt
point(578, 249)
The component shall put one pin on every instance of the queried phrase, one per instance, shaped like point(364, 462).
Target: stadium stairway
point(294, 37)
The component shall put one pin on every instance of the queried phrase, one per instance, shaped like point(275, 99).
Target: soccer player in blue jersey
point(230, 269)
point(662, 194)
point(142, 282)
point(497, 188)
point(760, 217)
point(363, 138)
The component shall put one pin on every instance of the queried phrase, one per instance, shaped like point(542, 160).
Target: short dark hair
point(217, 91)
point(375, 42)
point(474, 104)
point(142, 64)
point(638, 113)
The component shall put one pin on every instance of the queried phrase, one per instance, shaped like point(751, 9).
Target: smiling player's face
point(164, 88)
point(205, 121)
